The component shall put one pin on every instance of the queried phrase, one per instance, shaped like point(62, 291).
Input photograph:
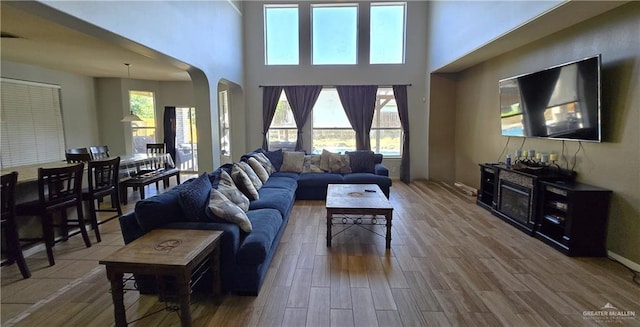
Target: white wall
point(458, 27)
point(77, 98)
point(207, 35)
point(257, 73)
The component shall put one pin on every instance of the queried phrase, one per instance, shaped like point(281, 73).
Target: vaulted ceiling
point(34, 40)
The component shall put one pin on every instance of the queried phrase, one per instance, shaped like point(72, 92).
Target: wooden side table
point(165, 252)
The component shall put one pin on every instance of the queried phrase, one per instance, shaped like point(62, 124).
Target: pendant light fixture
point(131, 117)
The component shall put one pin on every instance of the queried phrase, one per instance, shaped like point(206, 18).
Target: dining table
point(129, 165)
point(27, 186)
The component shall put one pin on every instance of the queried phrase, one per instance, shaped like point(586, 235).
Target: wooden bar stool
point(77, 157)
point(14, 250)
point(99, 152)
point(58, 190)
point(103, 181)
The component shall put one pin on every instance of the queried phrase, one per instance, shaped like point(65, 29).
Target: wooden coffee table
point(357, 199)
point(165, 252)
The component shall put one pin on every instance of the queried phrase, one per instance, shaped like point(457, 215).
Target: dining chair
point(103, 180)
point(14, 250)
point(99, 152)
point(154, 149)
point(77, 157)
point(59, 189)
point(77, 150)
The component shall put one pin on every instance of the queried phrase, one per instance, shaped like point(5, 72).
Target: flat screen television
point(560, 102)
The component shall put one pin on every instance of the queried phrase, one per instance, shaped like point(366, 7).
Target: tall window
point(142, 104)
point(282, 131)
point(186, 139)
point(281, 34)
point(225, 134)
point(386, 130)
point(387, 33)
point(331, 128)
point(334, 34)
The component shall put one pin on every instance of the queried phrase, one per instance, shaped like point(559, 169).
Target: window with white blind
point(31, 123)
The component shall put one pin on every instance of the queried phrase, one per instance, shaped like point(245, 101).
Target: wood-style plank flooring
point(451, 263)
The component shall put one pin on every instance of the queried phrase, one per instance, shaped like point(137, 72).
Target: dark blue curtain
point(359, 103)
point(400, 94)
point(270, 97)
point(170, 131)
point(301, 99)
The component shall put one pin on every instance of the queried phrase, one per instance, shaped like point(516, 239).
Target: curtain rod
point(335, 85)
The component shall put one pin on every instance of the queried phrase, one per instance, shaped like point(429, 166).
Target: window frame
point(404, 32)
point(286, 129)
point(314, 128)
point(135, 128)
point(265, 8)
point(355, 5)
point(376, 130)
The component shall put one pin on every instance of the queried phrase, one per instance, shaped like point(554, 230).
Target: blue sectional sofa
point(245, 257)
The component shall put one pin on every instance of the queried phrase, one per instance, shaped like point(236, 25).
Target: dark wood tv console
point(547, 203)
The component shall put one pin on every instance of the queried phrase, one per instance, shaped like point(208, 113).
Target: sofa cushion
point(229, 211)
point(161, 209)
point(364, 178)
point(281, 182)
point(292, 161)
point(377, 158)
point(319, 180)
point(255, 180)
point(324, 160)
point(194, 198)
point(275, 157)
point(311, 164)
point(339, 164)
point(244, 183)
point(274, 198)
point(291, 175)
point(214, 177)
point(255, 246)
point(259, 169)
point(228, 187)
point(361, 161)
point(265, 162)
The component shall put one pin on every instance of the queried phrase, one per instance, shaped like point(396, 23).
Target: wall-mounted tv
point(560, 102)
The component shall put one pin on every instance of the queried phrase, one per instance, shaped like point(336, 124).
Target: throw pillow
point(275, 157)
point(244, 183)
point(231, 191)
point(193, 198)
point(324, 160)
point(345, 168)
point(361, 161)
point(257, 183)
point(292, 161)
point(224, 208)
point(258, 169)
point(312, 164)
point(265, 162)
point(339, 164)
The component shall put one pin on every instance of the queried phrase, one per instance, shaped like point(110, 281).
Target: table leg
point(329, 216)
point(118, 298)
point(388, 217)
point(185, 299)
point(215, 269)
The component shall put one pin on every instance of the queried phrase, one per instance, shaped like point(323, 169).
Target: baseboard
point(624, 261)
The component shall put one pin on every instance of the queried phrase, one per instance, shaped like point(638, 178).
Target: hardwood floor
point(451, 263)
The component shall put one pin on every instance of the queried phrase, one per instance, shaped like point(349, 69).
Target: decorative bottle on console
point(508, 161)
